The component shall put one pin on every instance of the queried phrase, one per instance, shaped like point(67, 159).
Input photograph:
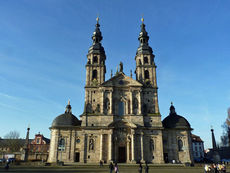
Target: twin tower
point(145, 66)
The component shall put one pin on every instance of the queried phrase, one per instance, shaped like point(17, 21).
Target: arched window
point(146, 74)
point(94, 74)
point(121, 108)
point(88, 108)
point(135, 103)
point(151, 145)
point(146, 61)
point(61, 144)
point(95, 59)
point(180, 145)
point(145, 109)
point(106, 106)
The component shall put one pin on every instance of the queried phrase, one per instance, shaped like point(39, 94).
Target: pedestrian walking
point(140, 168)
point(101, 163)
point(146, 168)
point(7, 166)
point(111, 167)
point(116, 168)
point(206, 168)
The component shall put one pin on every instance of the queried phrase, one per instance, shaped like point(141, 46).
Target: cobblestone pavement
point(96, 169)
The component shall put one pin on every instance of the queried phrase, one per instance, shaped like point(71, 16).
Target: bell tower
point(145, 66)
point(146, 74)
point(95, 67)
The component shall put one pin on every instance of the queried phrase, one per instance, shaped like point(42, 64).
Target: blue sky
point(43, 48)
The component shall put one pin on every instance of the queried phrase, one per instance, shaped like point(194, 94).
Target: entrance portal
point(77, 157)
point(121, 155)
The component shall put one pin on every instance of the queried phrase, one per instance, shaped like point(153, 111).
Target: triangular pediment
point(122, 124)
point(121, 80)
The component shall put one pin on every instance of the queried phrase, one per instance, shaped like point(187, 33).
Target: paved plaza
point(104, 169)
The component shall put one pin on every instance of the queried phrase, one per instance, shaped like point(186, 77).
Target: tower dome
point(175, 121)
point(66, 119)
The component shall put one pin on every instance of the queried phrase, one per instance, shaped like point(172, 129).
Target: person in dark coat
point(146, 168)
point(7, 165)
point(140, 168)
point(101, 163)
point(111, 167)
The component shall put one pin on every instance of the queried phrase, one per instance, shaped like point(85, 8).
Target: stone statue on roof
point(121, 67)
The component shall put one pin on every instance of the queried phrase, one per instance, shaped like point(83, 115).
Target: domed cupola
point(67, 119)
point(175, 121)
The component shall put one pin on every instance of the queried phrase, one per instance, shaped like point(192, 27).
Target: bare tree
point(12, 141)
point(228, 126)
point(225, 138)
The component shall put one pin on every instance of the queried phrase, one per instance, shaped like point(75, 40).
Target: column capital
point(102, 90)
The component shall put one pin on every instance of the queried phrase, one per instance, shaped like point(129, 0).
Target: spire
point(25, 153)
point(143, 38)
point(97, 37)
point(68, 108)
point(28, 135)
point(172, 109)
point(213, 140)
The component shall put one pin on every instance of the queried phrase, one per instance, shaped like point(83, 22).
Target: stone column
point(87, 75)
point(85, 148)
point(142, 149)
point(101, 149)
point(109, 147)
point(132, 147)
point(102, 101)
point(90, 75)
point(115, 149)
point(156, 102)
point(139, 102)
point(127, 153)
point(131, 102)
point(111, 102)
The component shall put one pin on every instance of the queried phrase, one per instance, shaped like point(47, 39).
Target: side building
point(198, 148)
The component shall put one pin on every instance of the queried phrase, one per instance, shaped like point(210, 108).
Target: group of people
point(116, 170)
point(113, 167)
point(146, 168)
point(215, 168)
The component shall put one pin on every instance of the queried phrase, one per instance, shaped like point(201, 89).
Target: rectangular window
point(38, 141)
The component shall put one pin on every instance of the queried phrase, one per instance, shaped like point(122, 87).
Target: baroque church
point(121, 121)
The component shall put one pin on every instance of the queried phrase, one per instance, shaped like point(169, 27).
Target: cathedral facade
point(121, 121)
